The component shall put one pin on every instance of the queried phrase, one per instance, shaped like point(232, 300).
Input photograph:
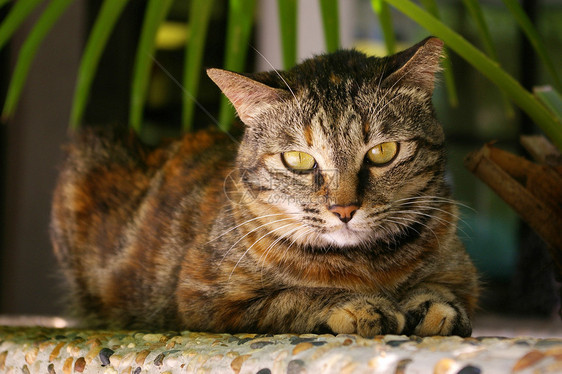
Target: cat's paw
point(426, 316)
point(366, 316)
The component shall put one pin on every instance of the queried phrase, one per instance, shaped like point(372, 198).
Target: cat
point(330, 216)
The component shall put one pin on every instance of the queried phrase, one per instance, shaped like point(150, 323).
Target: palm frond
point(331, 24)
point(288, 25)
point(155, 14)
point(489, 68)
point(199, 16)
point(14, 19)
point(27, 53)
point(239, 25)
point(380, 7)
point(97, 40)
point(534, 38)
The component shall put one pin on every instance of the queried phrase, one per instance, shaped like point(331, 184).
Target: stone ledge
point(52, 350)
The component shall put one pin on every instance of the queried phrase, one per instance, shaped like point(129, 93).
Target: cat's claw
point(367, 317)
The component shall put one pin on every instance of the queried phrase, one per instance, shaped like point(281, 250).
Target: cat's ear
point(249, 97)
point(417, 65)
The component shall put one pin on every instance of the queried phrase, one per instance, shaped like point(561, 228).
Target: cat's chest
point(295, 268)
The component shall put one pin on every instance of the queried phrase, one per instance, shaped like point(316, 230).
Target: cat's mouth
point(345, 236)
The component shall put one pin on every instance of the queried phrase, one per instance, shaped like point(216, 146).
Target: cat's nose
point(344, 212)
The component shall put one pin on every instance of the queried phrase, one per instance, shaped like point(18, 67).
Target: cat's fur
point(205, 234)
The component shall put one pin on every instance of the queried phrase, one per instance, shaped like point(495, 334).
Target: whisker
point(429, 207)
point(279, 75)
point(431, 198)
point(387, 103)
point(390, 90)
point(419, 223)
point(272, 245)
point(264, 255)
point(191, 97)
point(250, 247)
point(442, 220)
point(246, 222)
point(248, 233)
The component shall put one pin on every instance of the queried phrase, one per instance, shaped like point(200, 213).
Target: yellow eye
point(298, 161)
point(383, 153)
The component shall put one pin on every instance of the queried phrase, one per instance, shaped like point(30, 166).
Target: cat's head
point(342, 148)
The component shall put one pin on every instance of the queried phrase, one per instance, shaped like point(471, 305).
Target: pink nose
point(344, 212)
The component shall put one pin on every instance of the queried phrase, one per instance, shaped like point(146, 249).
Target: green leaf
point(14, 19)
point(473, 7)
point(240, 21)
point(4, 2)
point(155, 14)
point(199, 16)
point(97, 40)
point(433, 9)
point(288, 25)
point(330, 22)
point(489, 68)
point(385, 19)
point(40, 30)
point(551, 99)
point(534, 38)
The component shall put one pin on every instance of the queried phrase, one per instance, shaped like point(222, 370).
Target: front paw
point(366, 316)
point(426, 316)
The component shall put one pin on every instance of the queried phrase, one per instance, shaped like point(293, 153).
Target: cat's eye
point(298, 161)
point(382, 154)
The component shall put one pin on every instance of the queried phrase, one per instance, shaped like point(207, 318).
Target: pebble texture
point(65, 351)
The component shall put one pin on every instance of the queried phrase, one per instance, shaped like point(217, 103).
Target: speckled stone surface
point(51, 350)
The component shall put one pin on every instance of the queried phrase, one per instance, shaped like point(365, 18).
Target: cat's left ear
point(249, 97)
point(417, 65)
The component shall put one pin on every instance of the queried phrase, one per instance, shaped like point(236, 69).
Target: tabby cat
point(330, 215)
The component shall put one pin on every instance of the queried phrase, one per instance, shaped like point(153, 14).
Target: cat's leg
point(327, 310)
point(432, 309)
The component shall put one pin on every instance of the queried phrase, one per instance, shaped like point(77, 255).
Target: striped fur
point(205, 234)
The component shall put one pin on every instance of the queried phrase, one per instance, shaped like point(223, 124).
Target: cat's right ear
point(249, 97)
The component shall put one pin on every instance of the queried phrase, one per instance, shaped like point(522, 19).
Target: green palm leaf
point(199, 16)
point(239, 25)
point(489, 68)
point(330, 22)
point(551, 99)
point(535, 39)
point(433, 9)
point(288, 25)
point(14, 19)
point(475, 10)
point(48, 18)
point(103, 26)
point(385, 19)
point(4, 2)
point(156, 12)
